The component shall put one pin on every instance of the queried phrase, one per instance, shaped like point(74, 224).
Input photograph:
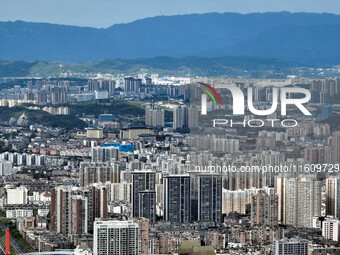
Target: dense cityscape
point(184, 127)
point(154, 176)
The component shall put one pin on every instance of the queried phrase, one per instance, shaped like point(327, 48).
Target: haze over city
point(169, 127)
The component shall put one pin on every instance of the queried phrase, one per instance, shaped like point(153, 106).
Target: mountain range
point(303, 38)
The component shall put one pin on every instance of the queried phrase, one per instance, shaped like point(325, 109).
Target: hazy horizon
point(18, 20)
point(105, 13)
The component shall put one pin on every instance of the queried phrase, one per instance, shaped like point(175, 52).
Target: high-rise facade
point(336, 147)
point(264, 209)
point(176, 200)
point(210, 198)
point(280, 190)
point(192, 117)
point(132, 85)
point(299, 200)
point(185, 117)
point(104, 154)
point(154, 116)
point(143, 182)
point(102, 85)
point(290, 247)
point(60, 213)
point(147, 205)
point(73, 210)
point(115, 237)
point(6, 168)
point(99, 172)
point(333, 196)
point(16, 196)
point(330, 229)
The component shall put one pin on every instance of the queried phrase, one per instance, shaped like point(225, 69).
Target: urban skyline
point(210, 133)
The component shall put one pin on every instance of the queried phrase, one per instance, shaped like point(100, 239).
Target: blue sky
point(104, 13)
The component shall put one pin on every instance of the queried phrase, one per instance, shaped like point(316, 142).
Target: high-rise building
point(41, 98)
point(58, 97)
point(185, 117)
point(60, 202)
point(148, 81)
point(101, 85)
point(333, 196)
point(115, 237)
point(6, 168)
point(93, 85)
point(132, 85)
point(280, 190)
point(17, 195)
point(179, 117)
point(317, 155)
point(264, 209)
point(192, 117)
point(210, 198)
point(299, 200)
point(336, 147)
point(234, 201)
point(146, 245)
point(120, 191)
point(73, 210)
point(176, 200)
point(154, 116)
point(143, 181)
point(104, 154)
point(95, 172)
point(330, 229)
point(29, 96)
point(290, 247)
point(147, 205)
point(109, 86)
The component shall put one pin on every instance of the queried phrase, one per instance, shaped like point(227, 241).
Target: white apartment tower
point(299, 200)
point(115, 237)
point(16, 196)
point(154, 116)
point(330, 229)
point(104, 154)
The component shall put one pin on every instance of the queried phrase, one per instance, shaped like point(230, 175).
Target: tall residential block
point(210, 198)
point(115, 237)
point(333, 196)
point(336, 147)
point(154, 116)
point(176, 200)
point(104, 154)
point(299, 200)
point(73, 210)
point(264, 209)
point(143, 182)
point(185, 117)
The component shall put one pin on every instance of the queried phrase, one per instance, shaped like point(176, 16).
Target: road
point(15, 245)
point(2, 250)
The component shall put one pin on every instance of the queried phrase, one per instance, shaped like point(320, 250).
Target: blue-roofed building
point(106, 117)
point(121, 147)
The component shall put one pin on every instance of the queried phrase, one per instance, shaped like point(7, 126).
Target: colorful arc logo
point(204, 97)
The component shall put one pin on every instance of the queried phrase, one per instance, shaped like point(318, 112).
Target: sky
point(104, 13)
